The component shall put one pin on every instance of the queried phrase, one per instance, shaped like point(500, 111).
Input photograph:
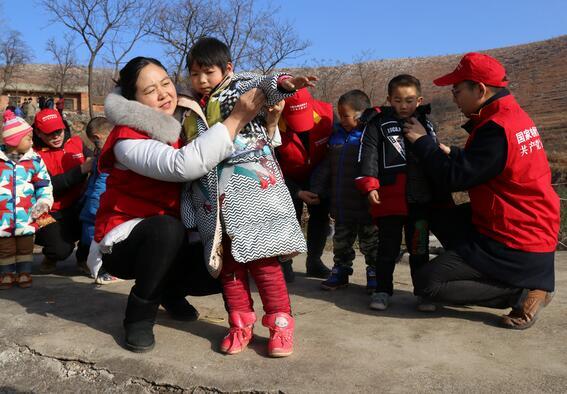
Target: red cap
point(476, 67)
point(298, 111)
point(48, 120)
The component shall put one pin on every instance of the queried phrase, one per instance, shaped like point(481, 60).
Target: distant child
point(397, 188)
point(97, 132)
point(242, 208)
point(68, 165)
point(26, 194)
point(348, 207)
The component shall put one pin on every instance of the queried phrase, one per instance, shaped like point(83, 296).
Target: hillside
point(537, 71)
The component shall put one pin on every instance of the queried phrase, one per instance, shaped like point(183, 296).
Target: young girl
point(242, 208)
point(25, 195)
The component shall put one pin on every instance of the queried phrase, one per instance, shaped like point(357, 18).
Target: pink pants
point(268, 277)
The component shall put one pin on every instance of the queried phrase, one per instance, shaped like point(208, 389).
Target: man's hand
point(87, 165)
point(308, 197)
point(295, 83)
point(413, 130)
point(374, 197)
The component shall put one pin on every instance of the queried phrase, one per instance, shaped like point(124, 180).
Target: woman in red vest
point(137, 229)
point(501, 246)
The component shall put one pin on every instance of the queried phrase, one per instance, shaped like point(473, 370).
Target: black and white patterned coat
point(245, 197)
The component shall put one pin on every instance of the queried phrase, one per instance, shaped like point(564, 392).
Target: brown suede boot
point(526, 315)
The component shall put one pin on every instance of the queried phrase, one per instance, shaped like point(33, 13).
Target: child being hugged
point(242, 208)
point(398, 190)
point(26, 194)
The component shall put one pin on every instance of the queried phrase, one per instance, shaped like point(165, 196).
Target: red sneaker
point(240, 332)
point(281, 327)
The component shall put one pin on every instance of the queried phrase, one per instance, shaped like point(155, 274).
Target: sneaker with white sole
point(379, 301)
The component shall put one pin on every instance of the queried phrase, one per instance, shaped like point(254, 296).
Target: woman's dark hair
point(129, 75)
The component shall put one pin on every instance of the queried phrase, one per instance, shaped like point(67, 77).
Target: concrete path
point(64, 335)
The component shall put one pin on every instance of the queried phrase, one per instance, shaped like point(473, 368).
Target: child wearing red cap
point(66, 159)
point(26, 194)
point(306, 125)
point(242, 208)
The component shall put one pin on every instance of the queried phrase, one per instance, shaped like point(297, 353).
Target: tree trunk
point(90, 84)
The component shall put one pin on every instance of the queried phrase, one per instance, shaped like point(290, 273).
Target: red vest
point(296, 162)
point(61, 160)
point(519, 207)
point(129, 195)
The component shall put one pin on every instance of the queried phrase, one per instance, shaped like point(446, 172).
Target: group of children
point(242, 209)
point(44, 196)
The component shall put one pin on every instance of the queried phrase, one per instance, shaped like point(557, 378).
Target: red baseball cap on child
point(476, 67)
point(48, 120)
point(298, 111)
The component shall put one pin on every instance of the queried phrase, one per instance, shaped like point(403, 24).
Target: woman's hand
point(245, 109)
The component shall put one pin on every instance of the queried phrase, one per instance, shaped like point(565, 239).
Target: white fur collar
point(122, 112)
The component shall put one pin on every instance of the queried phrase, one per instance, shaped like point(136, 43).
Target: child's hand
point(374, 197)
point(295, 83)
point(308, 197)
point(274, 114)
point(445, 148)
point(39, 209)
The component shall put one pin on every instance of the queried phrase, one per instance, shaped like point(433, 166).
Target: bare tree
point(330, 74)
point(66, 60)
point(275, 45)
point(93, 21)
point(122, 42)
point(256, 40)
point(14, 53)
point(179, 25)
point(366, 73)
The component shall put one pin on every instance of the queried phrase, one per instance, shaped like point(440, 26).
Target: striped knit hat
point(14, 128)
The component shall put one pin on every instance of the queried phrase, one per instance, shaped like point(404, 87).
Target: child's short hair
point(356, 99)
point(404, 80)
point(209, 52)
point(100, 125)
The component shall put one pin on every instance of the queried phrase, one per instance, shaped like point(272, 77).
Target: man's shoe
point(337, 279)
point(527, 313)
point(316, 269)
point(47, 266)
